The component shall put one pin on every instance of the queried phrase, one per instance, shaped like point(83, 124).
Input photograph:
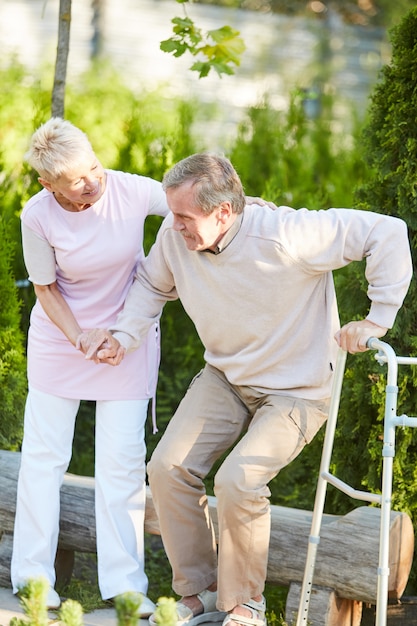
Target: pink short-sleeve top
point(96, 252)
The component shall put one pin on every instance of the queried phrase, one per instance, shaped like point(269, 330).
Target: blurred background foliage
point(361, 12)
point(287, 157)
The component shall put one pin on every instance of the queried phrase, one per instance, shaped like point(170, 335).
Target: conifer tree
point(12, 357)
point(390, 146)
point(390, 149)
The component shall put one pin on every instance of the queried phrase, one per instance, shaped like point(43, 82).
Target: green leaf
point(174, 46)
point(184, 28)
point(222, 68)
point(202, 67)
point(224, 33)
point(184, 23)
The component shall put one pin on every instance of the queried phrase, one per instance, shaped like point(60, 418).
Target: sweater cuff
point(125, 340)
point(382, 314)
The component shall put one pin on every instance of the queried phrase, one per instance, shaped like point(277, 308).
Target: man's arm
point(142, 307)
point(339, 236)
point(153, 285)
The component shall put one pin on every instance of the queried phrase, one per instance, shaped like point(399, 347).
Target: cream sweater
point(265, 306)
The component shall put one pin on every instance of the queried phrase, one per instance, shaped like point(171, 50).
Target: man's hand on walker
point(353, 337)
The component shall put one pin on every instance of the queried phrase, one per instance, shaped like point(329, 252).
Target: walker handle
point(371, 343)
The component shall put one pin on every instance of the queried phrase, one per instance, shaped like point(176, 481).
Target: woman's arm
point(58, 311)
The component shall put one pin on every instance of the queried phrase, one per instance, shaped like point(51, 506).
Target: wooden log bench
point(347, 558)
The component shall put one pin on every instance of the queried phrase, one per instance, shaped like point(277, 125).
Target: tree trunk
point(347, 559)
point(98, 28)
point(64, 27)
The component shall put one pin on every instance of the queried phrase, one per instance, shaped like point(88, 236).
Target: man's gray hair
point(56, 147)
point(213, 178)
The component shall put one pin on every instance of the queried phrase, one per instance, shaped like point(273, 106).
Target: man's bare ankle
point(193, 603)
point(240, 609)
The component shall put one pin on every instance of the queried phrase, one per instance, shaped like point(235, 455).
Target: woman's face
point(81, 186)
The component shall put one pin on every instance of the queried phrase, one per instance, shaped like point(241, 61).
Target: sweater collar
point(228, 236)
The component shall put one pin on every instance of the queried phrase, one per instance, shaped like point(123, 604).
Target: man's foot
point(194, 610)
point(250, 613)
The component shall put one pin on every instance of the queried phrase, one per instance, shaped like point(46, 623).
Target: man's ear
point(225, 211)
point(45, 183)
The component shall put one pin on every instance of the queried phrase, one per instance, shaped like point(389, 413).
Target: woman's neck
point(66, 204)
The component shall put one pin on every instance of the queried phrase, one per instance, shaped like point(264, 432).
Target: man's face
point(200, 231)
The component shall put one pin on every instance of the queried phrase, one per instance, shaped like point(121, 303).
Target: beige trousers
point(270, 431)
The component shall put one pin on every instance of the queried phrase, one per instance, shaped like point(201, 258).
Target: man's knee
point(229, 485)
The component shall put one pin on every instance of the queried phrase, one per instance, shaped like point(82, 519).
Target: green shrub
point(390, 147)
point(33, 601)
point(127, 606)
point(289, 159)
point(12, 356)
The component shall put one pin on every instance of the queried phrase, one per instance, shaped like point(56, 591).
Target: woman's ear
point(45, 183)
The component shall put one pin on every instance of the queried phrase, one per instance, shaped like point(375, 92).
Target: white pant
point(120, 490)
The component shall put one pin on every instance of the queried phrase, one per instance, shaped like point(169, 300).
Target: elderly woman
point(82, 240)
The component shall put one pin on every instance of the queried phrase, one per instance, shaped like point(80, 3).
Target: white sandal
point(185, 615)
point(258, 614)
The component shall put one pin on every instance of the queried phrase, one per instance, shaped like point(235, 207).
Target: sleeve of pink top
point(39, 257)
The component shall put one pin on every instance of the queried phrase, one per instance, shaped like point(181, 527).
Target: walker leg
point(388, 454)
point(314, 538)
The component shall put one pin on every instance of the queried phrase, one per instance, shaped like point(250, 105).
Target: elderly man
point(258, 285)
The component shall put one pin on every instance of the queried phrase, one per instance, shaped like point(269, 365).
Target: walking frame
point(385, 355)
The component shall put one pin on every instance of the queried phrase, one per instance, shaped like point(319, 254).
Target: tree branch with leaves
point(219, 49)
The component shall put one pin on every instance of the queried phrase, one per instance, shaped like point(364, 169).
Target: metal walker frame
point(391, 420)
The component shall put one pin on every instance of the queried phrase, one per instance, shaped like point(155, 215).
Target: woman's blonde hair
point(55, 147)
